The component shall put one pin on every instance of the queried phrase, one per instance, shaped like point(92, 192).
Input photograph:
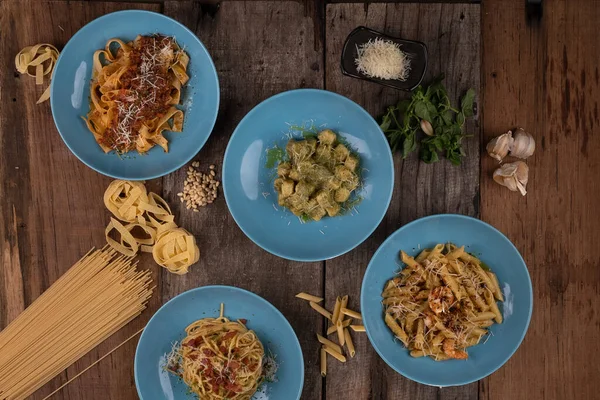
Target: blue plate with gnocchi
point(308, 175)
point(446, 300)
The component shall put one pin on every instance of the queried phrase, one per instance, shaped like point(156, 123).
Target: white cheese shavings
point(382, 59)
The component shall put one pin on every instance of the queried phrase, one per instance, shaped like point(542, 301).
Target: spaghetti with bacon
point(219, 359)
point(134, 92)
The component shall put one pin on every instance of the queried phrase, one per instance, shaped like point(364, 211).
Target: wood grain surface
point(253, 63)
point(538, 74)
point(543, 76)
point(49, 198)
point(451, 33)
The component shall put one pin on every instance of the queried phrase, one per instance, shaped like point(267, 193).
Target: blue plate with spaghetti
point(492, 248)
point(248, 176)
point(167, 327)
point(70, 96)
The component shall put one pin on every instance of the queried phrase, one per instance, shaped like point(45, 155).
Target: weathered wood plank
point(451, 33)
point(259, 49)
point(544, 77)
point(52, 204)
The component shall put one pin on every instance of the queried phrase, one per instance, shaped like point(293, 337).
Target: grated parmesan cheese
point(382, 59)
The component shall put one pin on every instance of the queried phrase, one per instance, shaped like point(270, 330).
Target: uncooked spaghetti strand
point(96, 297)
point(94, 363)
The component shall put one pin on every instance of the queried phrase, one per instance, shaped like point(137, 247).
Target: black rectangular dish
point(414, 50)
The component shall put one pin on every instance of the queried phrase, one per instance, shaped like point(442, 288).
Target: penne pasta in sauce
point(441, 302)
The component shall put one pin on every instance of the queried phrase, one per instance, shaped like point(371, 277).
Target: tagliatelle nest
point(149, 227)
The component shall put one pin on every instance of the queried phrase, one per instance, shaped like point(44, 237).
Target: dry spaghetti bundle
point(95, 298)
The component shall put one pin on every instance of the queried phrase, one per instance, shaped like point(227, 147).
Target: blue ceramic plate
point(70, 96)
point(169, 323)
point(493, 248)
point(248, 183)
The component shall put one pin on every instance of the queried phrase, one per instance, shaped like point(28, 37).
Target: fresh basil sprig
point(402, 122)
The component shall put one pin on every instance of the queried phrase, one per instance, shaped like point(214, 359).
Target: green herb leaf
point(460, 119)
point(422, 111)
point(408, 146)
point(402, 122)
point(387, 121)
point(274, 156)
point(466, 105)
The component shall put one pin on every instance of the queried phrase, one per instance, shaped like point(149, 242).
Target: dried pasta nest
point(144, 221)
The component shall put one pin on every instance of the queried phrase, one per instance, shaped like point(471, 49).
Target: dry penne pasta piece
point(495, 286)
point(309, 297)
point(343, 304)
point(320, 310)
point(340, 333)
point(336, 310)
point(332, 329)
point(328, 343)
point(335, 354)
point(357, 328)
point(349, 343)
point(350, 313)
point(323, 362)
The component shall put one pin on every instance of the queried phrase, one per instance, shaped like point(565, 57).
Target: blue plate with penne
point(446, 300)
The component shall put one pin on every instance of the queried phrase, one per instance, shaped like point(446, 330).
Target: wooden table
point(541, 74)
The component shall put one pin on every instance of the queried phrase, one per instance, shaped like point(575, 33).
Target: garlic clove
point(514, 176)
point(523, 145)
point(426, 127)
point(499, 146)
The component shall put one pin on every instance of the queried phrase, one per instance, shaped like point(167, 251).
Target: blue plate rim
point(363, 301)
point(277, 253)
point(201, 143)
point(219, 287)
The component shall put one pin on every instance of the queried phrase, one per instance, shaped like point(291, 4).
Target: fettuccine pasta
point(143, 221)
point(134, 92)
point(219, 359)
point(38, 61)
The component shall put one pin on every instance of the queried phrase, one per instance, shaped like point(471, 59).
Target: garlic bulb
point(426, 127)
point(514, 176)
point(523, 145)
point(499, 146)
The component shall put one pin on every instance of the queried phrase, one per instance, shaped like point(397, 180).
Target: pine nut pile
point(199, 189)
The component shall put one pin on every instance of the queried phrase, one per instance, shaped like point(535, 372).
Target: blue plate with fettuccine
point(70, 96)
